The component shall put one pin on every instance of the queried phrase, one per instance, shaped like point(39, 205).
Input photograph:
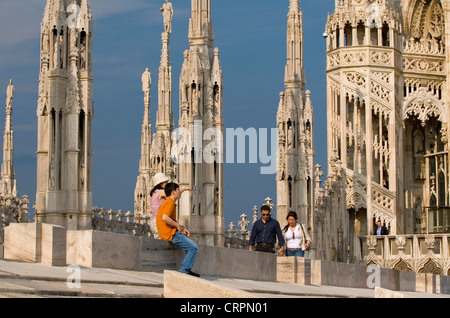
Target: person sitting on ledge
point(170, 230)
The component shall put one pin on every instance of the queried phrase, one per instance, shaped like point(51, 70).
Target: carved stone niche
point(430, 267)
point(402, 265)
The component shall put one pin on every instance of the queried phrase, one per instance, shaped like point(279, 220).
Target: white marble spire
point(294, 6)
point(295, 160)
point(200, 24)
point(295, 77)
point(65, 116)
point(201, 111)
point(8, 183)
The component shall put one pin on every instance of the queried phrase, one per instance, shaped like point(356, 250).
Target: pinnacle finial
point(294, 5)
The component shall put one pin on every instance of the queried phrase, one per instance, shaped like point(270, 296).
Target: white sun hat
point(160, 178)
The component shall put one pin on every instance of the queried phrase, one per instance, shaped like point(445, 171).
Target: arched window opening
point(348, 34)
point(374, 34)
point(361, 33)
point(385, 34)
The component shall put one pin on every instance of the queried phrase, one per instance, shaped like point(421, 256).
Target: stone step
point(30, 280)
point(27, 287)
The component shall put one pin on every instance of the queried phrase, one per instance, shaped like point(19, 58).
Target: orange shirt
point(168, 207)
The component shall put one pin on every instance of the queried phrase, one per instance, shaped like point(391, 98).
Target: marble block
point(36, 243)
point(103, 250)
point(179, 285)
point(295, 270)
point(21, 242)
point(234, 263)
point(53, 245)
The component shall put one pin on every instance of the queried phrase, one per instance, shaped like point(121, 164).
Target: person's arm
point(281, 240)
point(175, 224)
point(252, 238)
point(308, 238)
point(162, 195)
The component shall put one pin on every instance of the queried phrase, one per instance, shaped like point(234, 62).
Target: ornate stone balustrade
point(238, 238)
point(119, 222)
point(357, 56)
point(417, 253)
point(430, 47)
point(419, 57)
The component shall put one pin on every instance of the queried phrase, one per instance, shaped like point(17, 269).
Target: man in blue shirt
point(381, 229)
point(264, 233)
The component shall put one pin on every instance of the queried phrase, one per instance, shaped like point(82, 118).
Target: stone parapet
point(325, 273)
point(54, 245)
point(420, 253)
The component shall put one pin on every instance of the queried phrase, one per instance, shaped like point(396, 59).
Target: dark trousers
point(265, 248)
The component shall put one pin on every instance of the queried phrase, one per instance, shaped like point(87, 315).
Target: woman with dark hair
point(157, 197)
point(296, 236)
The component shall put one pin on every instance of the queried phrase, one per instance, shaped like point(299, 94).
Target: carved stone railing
point(429, 47)
point(423, 253)
point(238, 238)
point(383, 204)
point(121, 223)
point(362, 56)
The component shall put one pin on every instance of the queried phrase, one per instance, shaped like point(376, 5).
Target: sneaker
point(193, 274)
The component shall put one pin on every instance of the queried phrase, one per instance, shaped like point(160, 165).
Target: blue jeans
point(183, 242)
point(298, 253)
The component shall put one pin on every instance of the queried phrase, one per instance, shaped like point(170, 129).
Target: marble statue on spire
point(167, 12)
point(9, 94)
point(146, 81)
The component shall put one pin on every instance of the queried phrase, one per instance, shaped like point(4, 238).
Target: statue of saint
point(167, 12)
point(146, 81)
point(9, 94)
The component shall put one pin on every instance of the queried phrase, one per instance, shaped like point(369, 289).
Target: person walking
point(265, 232)
point(296, 236)
point(170, 230)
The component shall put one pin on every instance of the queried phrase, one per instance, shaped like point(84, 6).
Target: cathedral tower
point(200, 144)
point(65, 114)
point(295, 121)
point(388, 114)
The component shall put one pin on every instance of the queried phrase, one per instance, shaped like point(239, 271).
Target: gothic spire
point(294, 77)
point(8, 182)
point(294, 6)
point(200, 24)
point(146, 135)
point(164, 116)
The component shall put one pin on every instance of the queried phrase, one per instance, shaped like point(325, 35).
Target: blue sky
point(251, 36)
